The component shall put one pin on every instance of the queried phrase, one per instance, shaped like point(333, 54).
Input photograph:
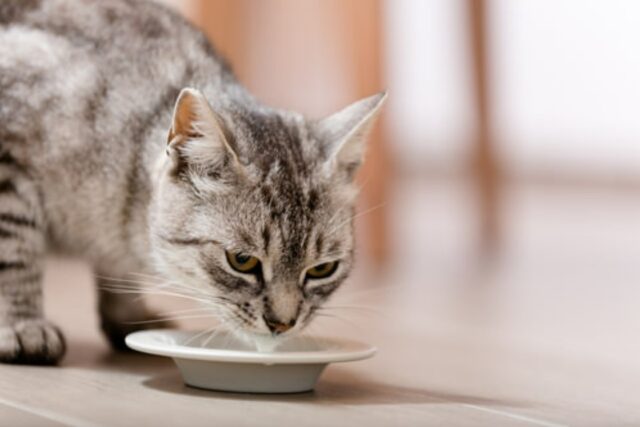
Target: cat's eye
point(243, 263)
point(322, 271)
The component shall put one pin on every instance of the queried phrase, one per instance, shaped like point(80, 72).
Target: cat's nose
point(276, 326)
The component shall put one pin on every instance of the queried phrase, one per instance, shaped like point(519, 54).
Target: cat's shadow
point(350, 390)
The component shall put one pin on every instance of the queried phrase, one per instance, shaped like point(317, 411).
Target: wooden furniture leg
point(485, 164)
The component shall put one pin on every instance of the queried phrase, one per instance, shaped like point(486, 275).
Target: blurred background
point(499, 223)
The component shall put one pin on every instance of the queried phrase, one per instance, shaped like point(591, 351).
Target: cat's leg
point(123, 313)
point(25, 336)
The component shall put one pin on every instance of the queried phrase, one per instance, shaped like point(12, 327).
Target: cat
point(126, 139)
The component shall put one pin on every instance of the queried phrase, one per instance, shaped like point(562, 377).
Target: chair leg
point(486, 171)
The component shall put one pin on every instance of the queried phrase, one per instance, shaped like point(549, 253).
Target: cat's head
point(253, 209)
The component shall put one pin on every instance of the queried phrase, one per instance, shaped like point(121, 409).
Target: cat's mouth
point(261, 336)
point(263, 342)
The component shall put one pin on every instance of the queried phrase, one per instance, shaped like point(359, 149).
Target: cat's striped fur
point(98, 159)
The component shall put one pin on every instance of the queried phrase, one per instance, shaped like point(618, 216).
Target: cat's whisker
point(168, 319)
point(370, 310)
point(155, 286)
point(224, 318)
point(346, 292)
point(349, 204)
point(232, 334)
point(179, 286)
point(123, 280)
point(338, 212)
point(164, 293)
point(200, 334)
point(232, 327)
point(356, 313)
point(213, 335)
point(145, 287)
point(342, 319)
point(147, 276)
point(164, 281)
point(358, 215)
point(307, 332)
point(133, 288)
point(210, 309)
point(126, 287)
point(366, 181)
point(167, 283)
point(182, 285)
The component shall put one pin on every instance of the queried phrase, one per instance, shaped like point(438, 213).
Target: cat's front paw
point(33, 341)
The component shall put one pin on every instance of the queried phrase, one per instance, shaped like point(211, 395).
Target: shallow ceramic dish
point(228, 364)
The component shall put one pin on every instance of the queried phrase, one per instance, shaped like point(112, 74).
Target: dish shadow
point(349, 390)
point(98, 356)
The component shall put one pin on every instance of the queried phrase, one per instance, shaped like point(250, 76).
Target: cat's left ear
point(344, 134)
point(197, 137)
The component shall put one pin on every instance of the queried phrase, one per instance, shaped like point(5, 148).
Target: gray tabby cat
point(106, 151)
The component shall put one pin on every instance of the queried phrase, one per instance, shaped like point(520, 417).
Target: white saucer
point(228, 364)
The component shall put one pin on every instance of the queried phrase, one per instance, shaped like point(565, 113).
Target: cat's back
point(97, 26)
point(92, 65)
point(86, 93)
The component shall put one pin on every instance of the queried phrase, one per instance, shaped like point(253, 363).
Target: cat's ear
point(197, 136)
point(343, 134)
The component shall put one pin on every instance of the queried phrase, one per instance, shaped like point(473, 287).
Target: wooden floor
point(545, 334)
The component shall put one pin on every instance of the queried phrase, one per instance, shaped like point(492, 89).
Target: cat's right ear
point(343, 134)
point(197, 138)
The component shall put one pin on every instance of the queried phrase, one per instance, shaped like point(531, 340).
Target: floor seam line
point(514, 416)
point(50, 415)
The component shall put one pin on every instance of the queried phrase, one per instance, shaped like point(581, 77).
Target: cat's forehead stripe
point(276, 143)
point(266, 239)
point(319, 242)
point(335, 246)
point(247, 240)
